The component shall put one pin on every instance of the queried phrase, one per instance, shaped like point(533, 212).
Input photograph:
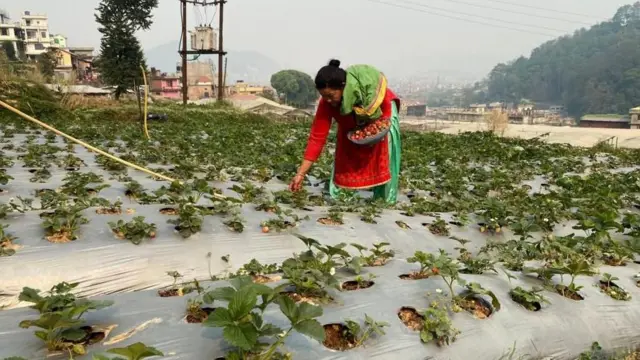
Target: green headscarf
point(363, 93)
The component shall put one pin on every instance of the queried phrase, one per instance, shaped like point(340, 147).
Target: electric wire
point(543, 9)
point(463, 19)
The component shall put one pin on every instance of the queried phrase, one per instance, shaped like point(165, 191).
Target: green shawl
point(363, 93)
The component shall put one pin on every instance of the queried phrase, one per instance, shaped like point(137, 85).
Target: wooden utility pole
point(184, 52)
point(185, 83)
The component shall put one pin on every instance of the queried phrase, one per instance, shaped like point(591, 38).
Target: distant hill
point(249, 66)
point(595, 70)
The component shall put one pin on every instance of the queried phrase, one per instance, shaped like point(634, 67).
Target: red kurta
point(356, 166)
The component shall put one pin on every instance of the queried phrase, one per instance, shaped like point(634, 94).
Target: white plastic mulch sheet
point(109, 268)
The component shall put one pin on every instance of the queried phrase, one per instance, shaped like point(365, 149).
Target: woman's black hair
point(331, 76)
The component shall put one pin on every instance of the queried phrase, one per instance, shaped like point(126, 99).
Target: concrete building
point(35, 34)
point(417, 110)
point(165, 85)
point(243, 88)
point(605, 121)
point(59, 41)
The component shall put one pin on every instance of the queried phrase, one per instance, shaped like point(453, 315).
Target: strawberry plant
point(7, 247)
point(351, 334)
point(531, 300)
point(437, 326)
point(61, 225)
point(439, 227)
point(471, 300)
point(608, 287)
point(378, 256)
point(427, 265)
point(137, 351)
point(135, 231)
point(189, 220)
point(243, 323)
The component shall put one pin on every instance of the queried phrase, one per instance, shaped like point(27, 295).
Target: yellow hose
point(146, 102)
point(80, 142)
point(92, 148)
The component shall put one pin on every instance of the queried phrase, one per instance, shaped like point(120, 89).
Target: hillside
point(595, 70)
point(249, 66)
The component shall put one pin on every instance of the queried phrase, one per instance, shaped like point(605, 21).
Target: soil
point(414, 276)
point(91, 191)
point(90, 338)
point(354, 285)
point(169, 211)
point(476, 307)
point(327, 221)
point(168, 292)
point(403, 225)
point(534, 306)
point(379, 262)
point(71, 168)
point(60, 238)
point(129, 194)
point(307, 299)
point(264, 279)
point(410, 318)
point(199, 316)
point(613, 262)
point(338, 338)
point(109, 211)
point(33, 171)
point(564, 291)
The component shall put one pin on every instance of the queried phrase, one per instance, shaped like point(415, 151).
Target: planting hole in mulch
point(60, 237)
point(406, 214)
point(414, 276)
point(379, 262)
point(531, 306)
point(169, 211)
point(411, 318)
point(456, 223)
point(476, 306)
point(33, 171)
point(330, 222)
point(613, 290)
point(169, 292)
point(337, 337)
point(90, 338)
point(72, 168)
point(612, 261)
point(199, 315)
point(403, 225)
point(307, 299)
point(264, 279)
point(355, 285)
point(564, 291)
point(109, 211)
point(46, 215)
point(91, 191)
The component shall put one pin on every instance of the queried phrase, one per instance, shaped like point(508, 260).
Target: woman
point(352, 96)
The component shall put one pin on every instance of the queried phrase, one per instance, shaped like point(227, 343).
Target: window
point(39, 46)
point(4, 32)
point(28, 22)
point(43, 34)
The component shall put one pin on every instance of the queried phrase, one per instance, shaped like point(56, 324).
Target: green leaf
point(311, 328)
point(244, 336)
point(224, 293)
point(73, 334)
point(30, 295)
point(136, 351)
point(241, 281)
point(242, 303)
point(307, 311)
point(100, 357)
point(220, 317)
point(289, 309)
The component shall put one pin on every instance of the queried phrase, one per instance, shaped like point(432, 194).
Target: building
point(35, 32)
point(202, 89)
point(259, 105)
point(163, 85)
point(605, 121)
point(478, 108)
point(59, 41)
point(417, 110)
point(634, 114)
point(243, 88)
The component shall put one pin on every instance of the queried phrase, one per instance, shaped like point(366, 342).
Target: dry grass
point(497, 121)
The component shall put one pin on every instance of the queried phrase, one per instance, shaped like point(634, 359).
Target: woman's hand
point(296, 183)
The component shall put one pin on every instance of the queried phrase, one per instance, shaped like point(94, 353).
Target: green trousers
point(388, 191)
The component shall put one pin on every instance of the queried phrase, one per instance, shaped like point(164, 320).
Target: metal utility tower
point(219, 51)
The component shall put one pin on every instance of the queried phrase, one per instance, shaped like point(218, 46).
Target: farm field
point(498, 248)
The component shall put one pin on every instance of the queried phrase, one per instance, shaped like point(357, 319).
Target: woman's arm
point(317, 139)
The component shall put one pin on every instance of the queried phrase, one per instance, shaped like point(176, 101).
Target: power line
point(543, 9)
point(483, 17)
point(519, 12)
point(463, 19)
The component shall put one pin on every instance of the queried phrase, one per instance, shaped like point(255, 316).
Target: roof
point(605, 117)
point(78, 89)
point(247, 102)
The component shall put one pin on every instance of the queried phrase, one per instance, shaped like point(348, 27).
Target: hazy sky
point(408, 37)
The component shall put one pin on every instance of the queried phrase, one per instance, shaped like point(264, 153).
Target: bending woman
point(352, 96)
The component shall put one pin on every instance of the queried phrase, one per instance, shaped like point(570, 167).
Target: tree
point(297, 87)
point(120, 52)
point(47, 62)
point(9, 50)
